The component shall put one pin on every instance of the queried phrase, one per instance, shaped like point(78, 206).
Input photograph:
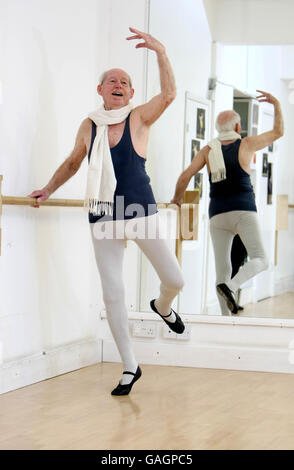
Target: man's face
point(115, 89)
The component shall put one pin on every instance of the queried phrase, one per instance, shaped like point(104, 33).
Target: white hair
point(104, 74)
point(227, 120)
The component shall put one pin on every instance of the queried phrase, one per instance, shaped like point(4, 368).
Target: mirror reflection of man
point(115, 138)
point(232, 208)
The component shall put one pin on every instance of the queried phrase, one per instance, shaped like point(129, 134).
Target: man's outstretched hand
point(266, 97)
point(149, 41)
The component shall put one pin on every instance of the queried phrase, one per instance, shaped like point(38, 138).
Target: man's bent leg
point(249, 232)
point(167, 267)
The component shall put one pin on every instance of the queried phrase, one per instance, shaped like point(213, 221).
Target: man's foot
point(125, 389)
point(176, 326)
point(227, 294)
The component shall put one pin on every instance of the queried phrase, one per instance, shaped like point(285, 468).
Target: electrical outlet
point(169, 334)
point(144, 329)
point(186, 335)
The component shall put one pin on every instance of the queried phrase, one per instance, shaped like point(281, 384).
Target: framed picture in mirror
point(264, 164)
point(200, 128)
point(270, 184)
point(198, 183)
point(195, 147)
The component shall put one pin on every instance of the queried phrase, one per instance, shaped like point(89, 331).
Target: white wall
point(287, 62)
point(182, 27)
point(48, 73)
point(284, 272)
point(250, 67)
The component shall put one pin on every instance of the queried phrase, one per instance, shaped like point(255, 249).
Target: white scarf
point(101, 182)
point(215, 156)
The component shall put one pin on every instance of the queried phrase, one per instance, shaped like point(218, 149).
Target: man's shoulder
point(136, 110)
point(85, 127)
point(135, 115)
point(86, 123)
point(245, 144)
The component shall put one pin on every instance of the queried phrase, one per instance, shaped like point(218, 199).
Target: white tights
point(223, 228)
point(109, 257)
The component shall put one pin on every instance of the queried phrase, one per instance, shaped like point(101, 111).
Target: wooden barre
point(31, 201)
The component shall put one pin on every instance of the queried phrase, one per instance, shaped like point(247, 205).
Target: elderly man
point(232, 206)
point(118, 192)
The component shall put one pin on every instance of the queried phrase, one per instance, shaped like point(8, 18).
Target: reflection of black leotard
point(238, 255)
point(235, 193)
point(132, 181)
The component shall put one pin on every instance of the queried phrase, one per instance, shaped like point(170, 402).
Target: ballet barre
point(31, 201)
point(187, 219)
point(282, 218)
point(187, 214)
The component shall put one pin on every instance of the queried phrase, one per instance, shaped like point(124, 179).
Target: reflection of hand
point(266, 97)
point(178, 202)
point(149, 41)
point(40, 195)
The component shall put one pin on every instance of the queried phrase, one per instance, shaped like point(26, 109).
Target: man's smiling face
point(116, 89)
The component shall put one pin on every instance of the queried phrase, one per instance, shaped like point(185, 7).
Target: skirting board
point(271, 355)
point(58, 361)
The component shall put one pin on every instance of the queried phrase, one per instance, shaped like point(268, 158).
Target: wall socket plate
point(144, 329)
point(169, 334)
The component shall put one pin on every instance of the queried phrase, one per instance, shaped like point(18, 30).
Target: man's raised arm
point(151, 111)
point(254, 143)
point(198, 162)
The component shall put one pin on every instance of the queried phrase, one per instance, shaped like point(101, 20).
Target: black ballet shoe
point(125, 389)
point(177, 326)
point(239, 308)
point(227, 294)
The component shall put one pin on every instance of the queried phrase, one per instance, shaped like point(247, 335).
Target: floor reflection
point(280, 306)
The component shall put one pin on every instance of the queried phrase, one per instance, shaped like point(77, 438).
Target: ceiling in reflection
point(256, 22)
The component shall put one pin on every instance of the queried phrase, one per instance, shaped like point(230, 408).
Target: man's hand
point(149, 41)
point(178, 202)
point(151, 111)
point(266, 97)
point(252, 144)
point(40, 195)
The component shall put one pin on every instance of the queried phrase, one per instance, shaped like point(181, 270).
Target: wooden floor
point(173, 408)
point(280, 306)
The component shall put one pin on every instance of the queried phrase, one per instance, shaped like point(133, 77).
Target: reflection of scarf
point(101, 182)
point(215, 156)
